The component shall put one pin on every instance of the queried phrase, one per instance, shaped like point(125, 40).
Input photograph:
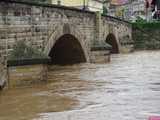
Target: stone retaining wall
point(146, 38)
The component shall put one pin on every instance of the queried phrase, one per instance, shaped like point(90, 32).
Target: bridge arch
point(67, 50)
point(73, 35)
point(111, 39)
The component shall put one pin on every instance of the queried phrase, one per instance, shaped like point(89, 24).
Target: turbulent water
point(128, 88)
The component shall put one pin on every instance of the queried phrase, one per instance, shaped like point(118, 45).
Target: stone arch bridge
point(63, 33)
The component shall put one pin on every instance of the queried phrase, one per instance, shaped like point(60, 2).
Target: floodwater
point(128, 88)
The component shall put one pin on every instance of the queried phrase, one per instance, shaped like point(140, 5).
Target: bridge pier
point(100, 56)
point(27, 72)
point(2, 84)
point(100, 51)
point(3, 79)
point(3, 63)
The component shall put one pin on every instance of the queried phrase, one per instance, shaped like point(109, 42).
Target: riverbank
point(146, 35)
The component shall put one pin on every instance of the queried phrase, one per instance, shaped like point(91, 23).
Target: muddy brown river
point(128, 88)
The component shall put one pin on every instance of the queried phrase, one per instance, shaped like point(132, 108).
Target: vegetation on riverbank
point(146, 35)
point(147, 25)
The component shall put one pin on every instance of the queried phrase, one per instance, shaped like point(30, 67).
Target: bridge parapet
point(117, 20)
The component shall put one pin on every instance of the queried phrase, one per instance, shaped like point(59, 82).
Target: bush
point(140, 20)
point(147, 25)
point(23, 51)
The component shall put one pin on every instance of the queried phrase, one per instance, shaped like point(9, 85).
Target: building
point(112, 10)
point(95, 5)
point(155, 4)
point(129, 10)
point(92, 5)
point(123, 11)
point(139, 8)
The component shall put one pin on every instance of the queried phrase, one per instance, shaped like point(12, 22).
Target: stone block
point(101, 56)
point(20, 76)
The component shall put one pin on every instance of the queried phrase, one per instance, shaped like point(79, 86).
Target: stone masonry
point(42, 25)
